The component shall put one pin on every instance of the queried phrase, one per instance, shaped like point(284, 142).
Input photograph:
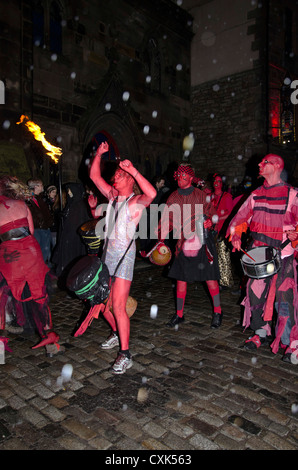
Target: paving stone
point(278, 442)
point(154, 430)
point(200, 442)
point(153, 444)
point(245, 424)
point(33, 416)
point(204, 392)
point(80, 430)
point(274, 415)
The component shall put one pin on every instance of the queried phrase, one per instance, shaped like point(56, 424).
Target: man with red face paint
point(189, 216)
point(129, 207)
point(271, 213)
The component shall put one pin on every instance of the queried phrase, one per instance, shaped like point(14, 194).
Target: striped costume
point(269, 212)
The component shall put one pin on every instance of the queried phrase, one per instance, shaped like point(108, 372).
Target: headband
point(184, 169)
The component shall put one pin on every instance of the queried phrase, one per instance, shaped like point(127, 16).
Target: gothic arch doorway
point(122, 144)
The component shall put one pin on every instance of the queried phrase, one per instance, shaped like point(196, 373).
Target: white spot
point(153, 311)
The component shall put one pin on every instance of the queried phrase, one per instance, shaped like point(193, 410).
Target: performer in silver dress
point(130, 207)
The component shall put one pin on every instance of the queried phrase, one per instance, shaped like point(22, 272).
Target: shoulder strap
point(114, 222)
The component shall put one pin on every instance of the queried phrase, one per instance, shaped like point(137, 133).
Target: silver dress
point(120, 237)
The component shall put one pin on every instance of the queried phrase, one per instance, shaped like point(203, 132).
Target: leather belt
point(15, 234)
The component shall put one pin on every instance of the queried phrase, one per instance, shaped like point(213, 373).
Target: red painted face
point(121, 179)
point(217, 182)
point(184, 180)
point(266, 166)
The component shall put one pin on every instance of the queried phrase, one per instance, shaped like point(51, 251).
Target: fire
point(53, 152)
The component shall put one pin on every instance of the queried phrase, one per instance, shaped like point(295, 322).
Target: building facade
point(88, 71)
point(244, 65)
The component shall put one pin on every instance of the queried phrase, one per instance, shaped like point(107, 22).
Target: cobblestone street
point(193, 388)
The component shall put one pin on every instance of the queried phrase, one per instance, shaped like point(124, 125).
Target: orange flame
point(53, 152)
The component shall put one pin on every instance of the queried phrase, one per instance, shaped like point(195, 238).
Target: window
point(47, 25)
point(38, 24)
point(55, 29)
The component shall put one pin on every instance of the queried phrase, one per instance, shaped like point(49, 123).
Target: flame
point(53, 152)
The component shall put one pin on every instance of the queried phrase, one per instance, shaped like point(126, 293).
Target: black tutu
point(197, 268)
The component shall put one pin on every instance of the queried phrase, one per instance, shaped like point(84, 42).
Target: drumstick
point(248, 255)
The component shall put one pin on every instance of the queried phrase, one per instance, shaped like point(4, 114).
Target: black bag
point(89, 279)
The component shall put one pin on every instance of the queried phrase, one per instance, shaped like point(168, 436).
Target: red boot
point(51, 338)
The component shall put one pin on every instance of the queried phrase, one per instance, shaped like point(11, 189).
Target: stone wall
point(107, 48)
point(227, 124)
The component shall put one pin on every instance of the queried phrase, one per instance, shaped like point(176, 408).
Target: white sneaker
point(121, 364)
point(111, 342)
point(14, 329)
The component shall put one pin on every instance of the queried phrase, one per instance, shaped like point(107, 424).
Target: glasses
point(268, 161)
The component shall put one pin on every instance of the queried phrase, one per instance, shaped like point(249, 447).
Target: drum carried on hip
point(262, 262)
point(88, 234)
point(89, 279)
point(160, 254)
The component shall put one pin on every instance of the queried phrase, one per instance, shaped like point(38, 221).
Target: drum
point(89, 279)
point(87, 232)
point(160, 255)
point(131, 306)
point(266, 262)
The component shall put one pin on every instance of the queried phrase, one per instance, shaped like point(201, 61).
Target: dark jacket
point(70, 245)
point(42, 217)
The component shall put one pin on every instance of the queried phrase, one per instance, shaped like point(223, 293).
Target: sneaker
point(121, 364)
point(111, 342)
point(14, 329)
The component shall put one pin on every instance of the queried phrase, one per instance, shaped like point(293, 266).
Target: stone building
point(143, 75)
point(88, 71)
point(244, 62)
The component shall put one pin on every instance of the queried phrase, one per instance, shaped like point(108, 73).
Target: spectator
point(42, 218)
point(70, 245)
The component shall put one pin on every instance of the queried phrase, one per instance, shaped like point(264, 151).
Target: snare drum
point(266, 262)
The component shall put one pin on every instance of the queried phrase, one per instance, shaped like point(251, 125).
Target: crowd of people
point(206, 223)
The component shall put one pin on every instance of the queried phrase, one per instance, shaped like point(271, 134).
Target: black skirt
point(197, 268)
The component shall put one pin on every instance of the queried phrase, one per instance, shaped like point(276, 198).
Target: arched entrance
point(122, 141)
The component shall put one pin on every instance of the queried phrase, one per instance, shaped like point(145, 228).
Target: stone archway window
point(103, 136)
point(55, 28)
point(38, 24)
point(153, 64)
point(47, 25)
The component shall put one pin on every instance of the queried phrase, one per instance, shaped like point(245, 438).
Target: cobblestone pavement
point(189, 389)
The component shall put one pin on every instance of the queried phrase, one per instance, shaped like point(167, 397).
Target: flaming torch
point(52, 151)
